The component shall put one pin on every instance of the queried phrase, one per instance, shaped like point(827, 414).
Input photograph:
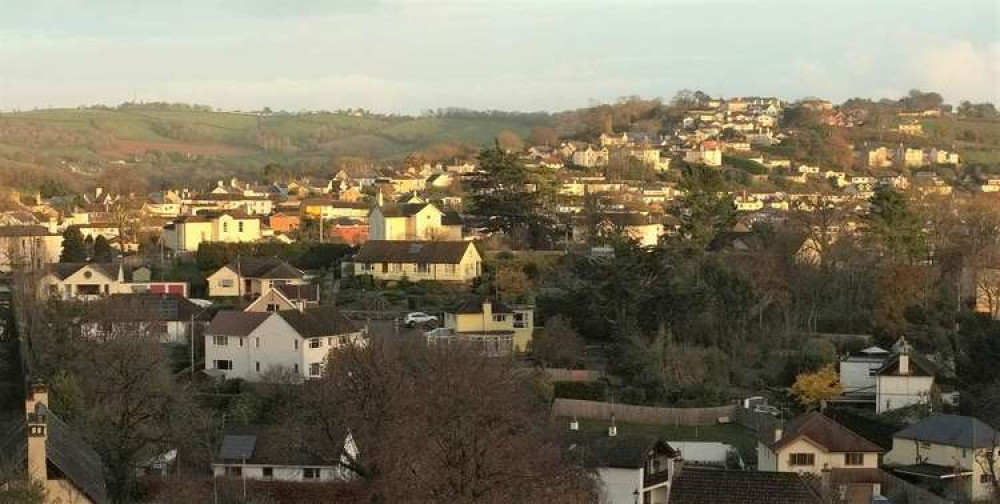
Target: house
point(630, 468)
point(28, 246)
point(858, 373)
point(247, 345)
point(284, 223)
point(947, 454)
point(334, 209)
point(590, 157)
point(286, 297)
point(446, 261)
point(708, 154)
point(904, 379)
point(55, 456)
point(186, 233)
point(236, 202)
point(92, 280)
point(911, 128)
point(913, 157)
point(493, 327)
point(816, 444)
point(170, 318)
point(273, 453)
point(252, 276)
point(413, 221)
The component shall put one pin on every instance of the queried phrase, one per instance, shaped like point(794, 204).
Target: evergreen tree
point(102, 250)
point(73, 247)
point(707, 209)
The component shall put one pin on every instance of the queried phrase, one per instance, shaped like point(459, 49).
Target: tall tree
point(73, 247)
point(896, 230)
point(102, 250)
point(706, 208)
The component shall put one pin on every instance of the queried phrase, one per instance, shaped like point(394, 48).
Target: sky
point(404, 56)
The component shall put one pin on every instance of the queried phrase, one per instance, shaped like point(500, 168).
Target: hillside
point(194, 142)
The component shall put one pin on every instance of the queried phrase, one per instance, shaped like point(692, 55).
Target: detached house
point(413, 221)
point(28, 246)
point(947, 454)
point(630, 468)
point(490, 325)
point(445, 261)
point(185, 234)
point(272, 453)
point(92, 280)
point(252, 277)
point(246, 345)
point(904, 379)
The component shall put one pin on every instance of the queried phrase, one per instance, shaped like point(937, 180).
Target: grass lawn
point(740, 437)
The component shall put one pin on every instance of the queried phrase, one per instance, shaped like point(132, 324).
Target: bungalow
point(247, 345)
point(273, 453)
point(948, 454)
point(448, 261)
point(91, 280)
point(252, 276)
point(493, 327)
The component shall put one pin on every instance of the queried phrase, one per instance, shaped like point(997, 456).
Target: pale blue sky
point(408, 55)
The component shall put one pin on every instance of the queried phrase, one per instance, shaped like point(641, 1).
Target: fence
point(629, 413)
point(573, 375)
point(899, 490)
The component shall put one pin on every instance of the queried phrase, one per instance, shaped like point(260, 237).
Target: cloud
point(959, 70)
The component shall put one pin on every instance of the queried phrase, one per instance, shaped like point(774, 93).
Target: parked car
point(767, 410)
point(418, 318)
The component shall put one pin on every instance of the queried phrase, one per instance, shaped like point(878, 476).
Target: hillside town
point(756, 300)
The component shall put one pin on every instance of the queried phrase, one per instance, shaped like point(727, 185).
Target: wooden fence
point(629, 413)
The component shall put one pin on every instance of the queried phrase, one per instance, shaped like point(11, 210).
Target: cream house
point(495, 328)
point(246, 345)
point(252, 277)
point(445, 261)
point(947, 454)
point(413, 221)
point(93, 280)
point(185, 234)
point(590, 157)
point(814, 442)
point(28, 246)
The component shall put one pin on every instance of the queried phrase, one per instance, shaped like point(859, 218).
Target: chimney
point(37, 432)
point(613, 429)
point(98, 192)
point(778, 433)
point(904, 363)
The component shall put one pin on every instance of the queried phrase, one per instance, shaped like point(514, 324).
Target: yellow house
point(252, 277)
point(55, 457)
point(948, 454)
point(187, 233)
point(499, 328)
point(815, 444)
point(334, 209)
point(445, 261)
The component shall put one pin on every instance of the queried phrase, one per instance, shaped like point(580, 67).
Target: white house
point(413, 221)
point(904, 379)
point(274, 453)
point(185, 234)
point(858, 371)
point(590, 157)
point(630, 468)
point(246, 345)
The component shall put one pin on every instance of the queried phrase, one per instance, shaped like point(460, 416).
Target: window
point(395, 267)
point(310, 473)
point(257, 366)
point(315, 369)
point(854, 459)
point(801, 459)
point(226, 282)
point(267, 472)
point(256, 342)
point(423, 268)
point(239, 226)
point(241, 341)
point(272, 307)
point(499, 317)
point(296, 343)
point(296, 369)
point(316, 343)
point(223, 364)
point(872, 371)
point(986, 478)
point(520, 320)
point(450, 269)
point(234, 471)
point(225, 227)
point(220, 340)
point(367, 267)
point(329, 342)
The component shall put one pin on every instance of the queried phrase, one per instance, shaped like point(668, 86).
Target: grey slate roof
point(475, 305)
point(318, 322)
point(146, 307)
point(64, 449)
point(622, 451)
point(304, 292)
point(412, 251)
point(265, 267)
point(268, 445)
point(952, 430)
point(710, 486)
point(65, 270)
point(235, 323)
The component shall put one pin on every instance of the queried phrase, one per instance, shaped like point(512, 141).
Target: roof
point(621, 451)
point(876, 431)
point(264, 267)
point(919, 366)
point(409, 251)
point(236, 323)
point(402, 209)
point(266, 444)
point(952, 430)
point(317, 322)
point(826, 432)
point(451, 218)
point(64, 449)
point(475, 305)
point(710, 486)
point(299, 292)
point(65, 270)
point(932, 471)
point(146, 307)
